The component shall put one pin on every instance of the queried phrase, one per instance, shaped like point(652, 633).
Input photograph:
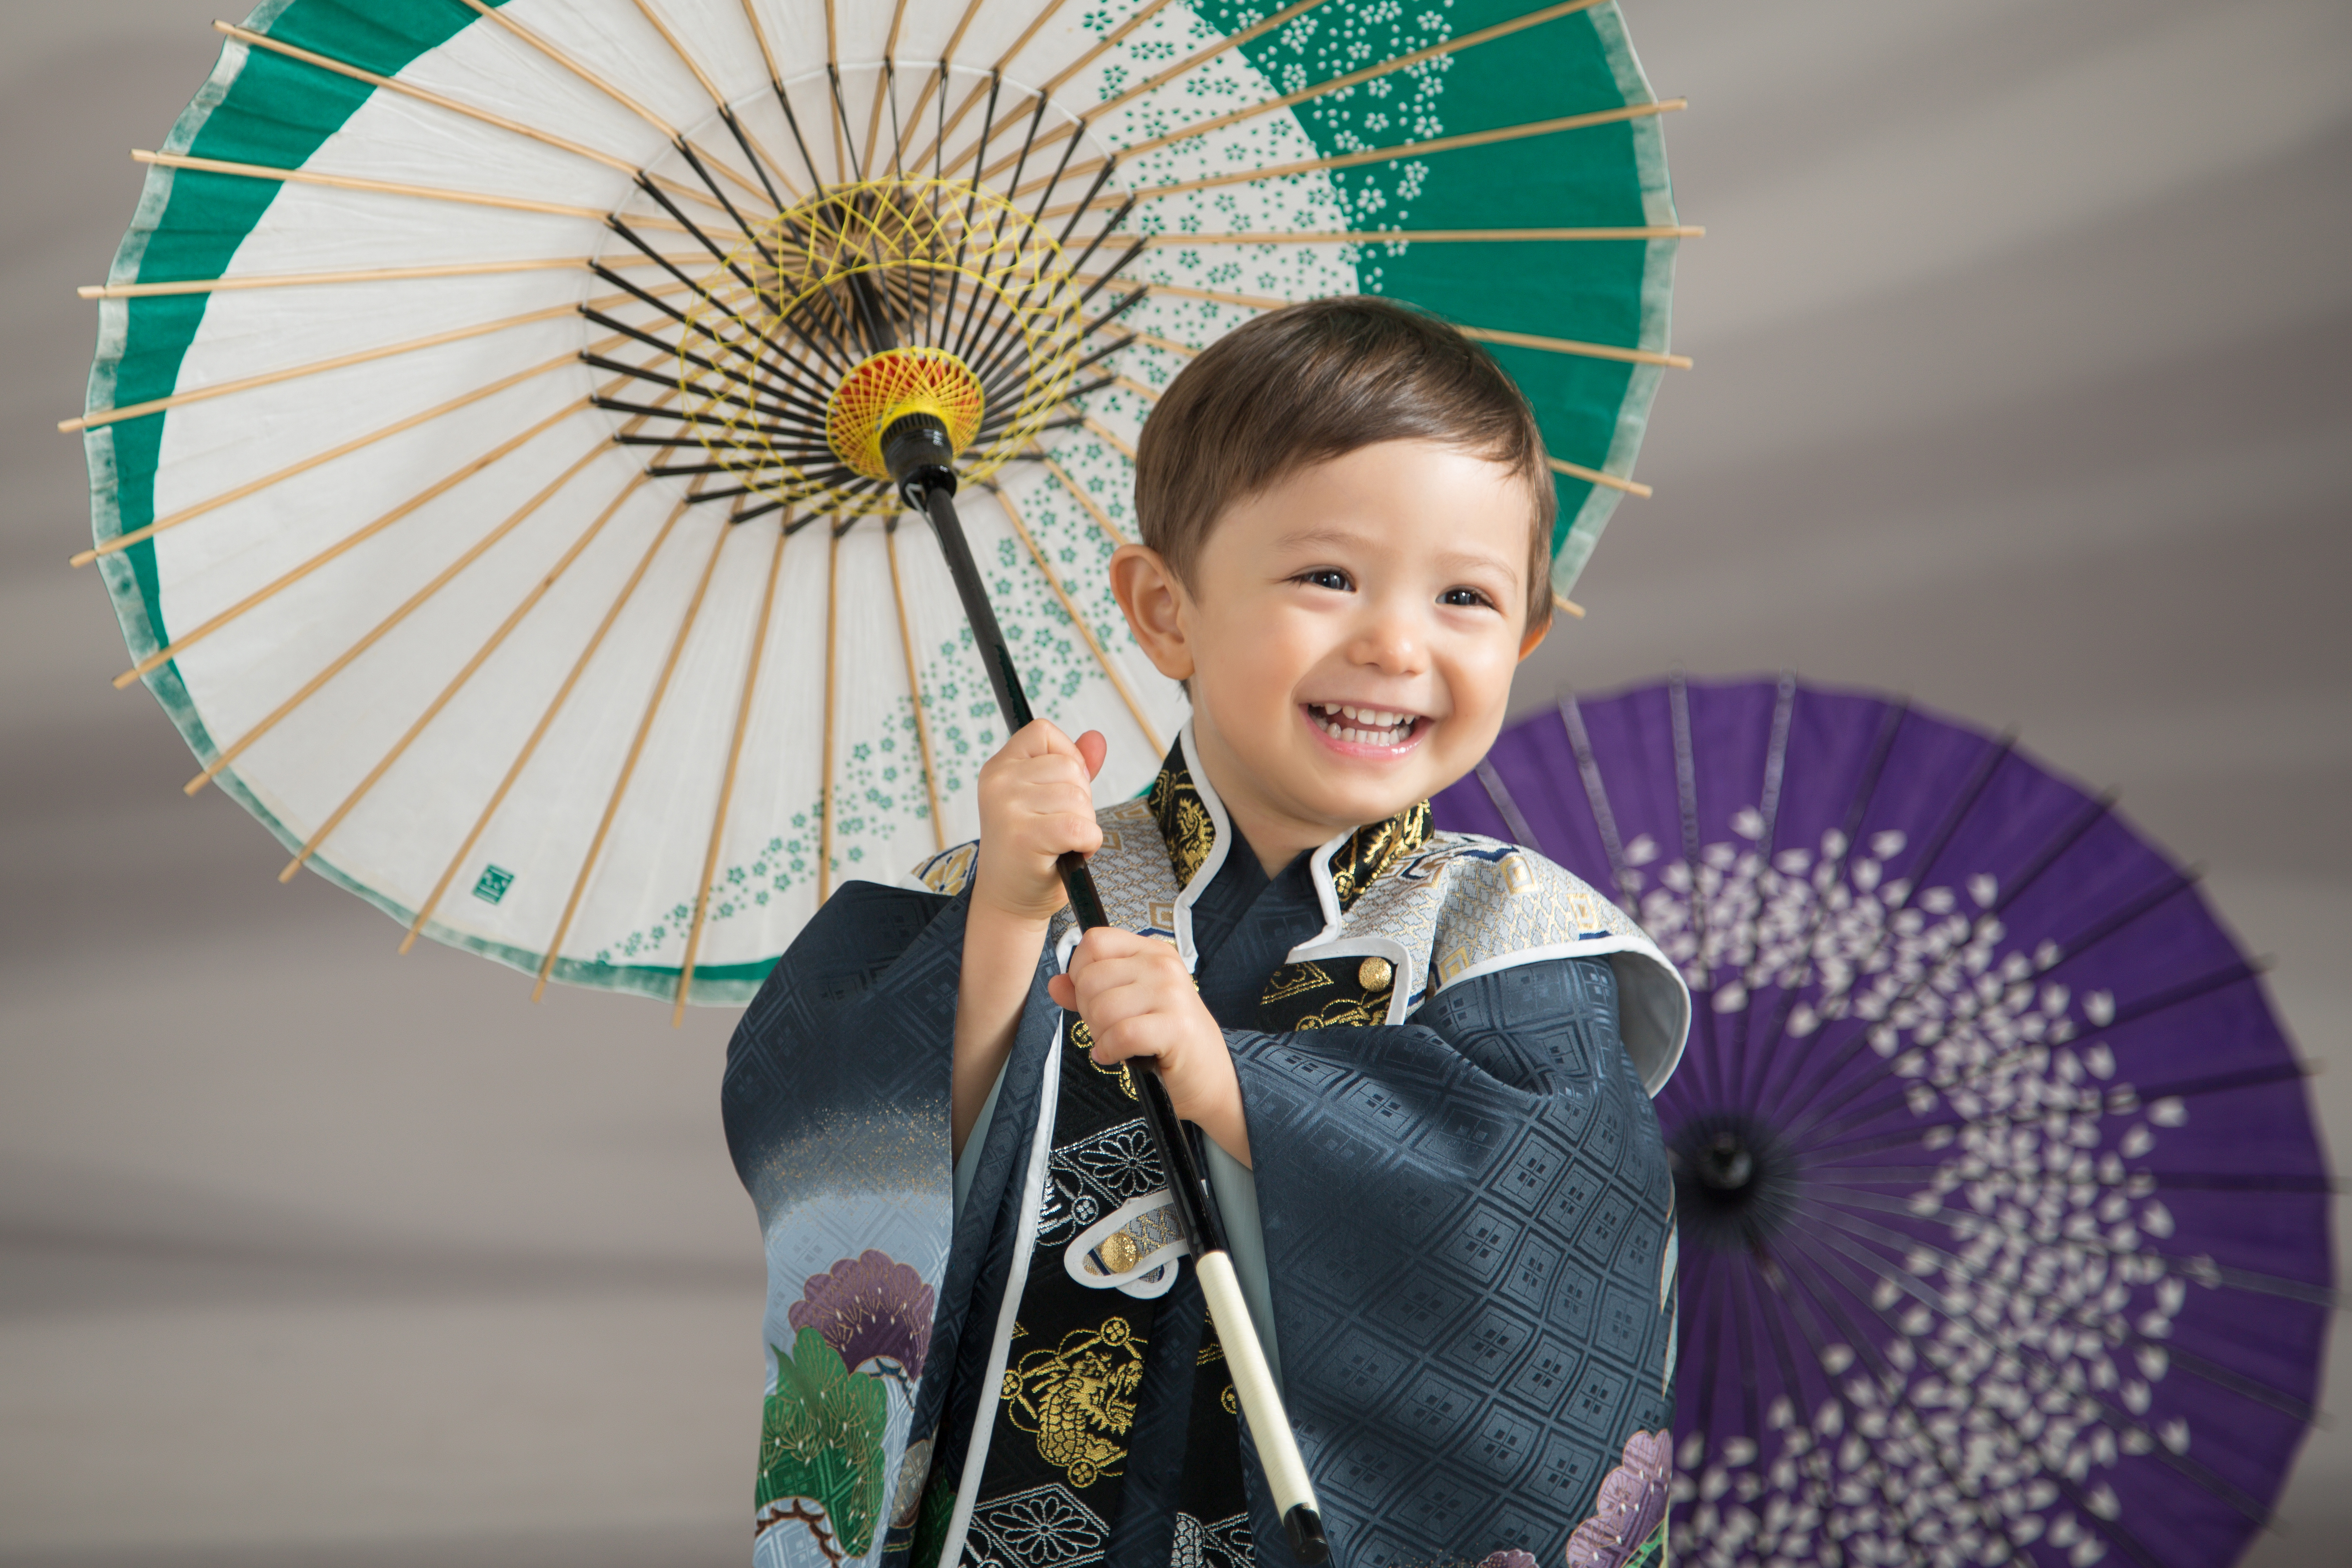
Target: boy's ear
point(1153, 600)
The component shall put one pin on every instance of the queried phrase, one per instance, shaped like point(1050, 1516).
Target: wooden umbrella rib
point(1044, 14)
point(718, 99)
point(385, 627)
point(1597, 477)
point(832, 654)
point(1424, 235)
point(1482, 334)
point(1570, 346)
point(1102, 518)
point(1567, 606)
point(1349, 79)
point(1198, 57)
point(884, 80)
point(1128, 383)
point(1555, 126)
point(163, 656)
point(254, 487)
point(355, 182)
point(457, 682)
point(1054, 84)
point(440, 101)
point(915, 692)
point(546, 721)
point(727, 780)
point(1096, 427)
point(305, 279)
point(629, 762)
point(923, 99)
point(1070, 608)
point(1153, 340)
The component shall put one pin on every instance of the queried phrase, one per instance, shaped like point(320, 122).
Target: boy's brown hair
point(1316, 380)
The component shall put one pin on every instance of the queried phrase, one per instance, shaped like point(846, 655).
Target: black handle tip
point(1304, 1528)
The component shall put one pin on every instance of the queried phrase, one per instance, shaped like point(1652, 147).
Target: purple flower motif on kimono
point(1509, 1557)
point(1631, 1507)
point(869, 1307)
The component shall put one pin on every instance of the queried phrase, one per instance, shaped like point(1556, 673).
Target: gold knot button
point(1375, 973)
point(1119, 1251)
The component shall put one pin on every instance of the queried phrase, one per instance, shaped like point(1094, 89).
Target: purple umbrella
point(2004, 1221)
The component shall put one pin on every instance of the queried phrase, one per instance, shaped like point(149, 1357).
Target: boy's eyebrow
point(1325, 534)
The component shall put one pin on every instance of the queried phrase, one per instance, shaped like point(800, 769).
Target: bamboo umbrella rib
point(979, 89)
point(1102, 518)
point(885, 80)
point(1153, 83)
point(915, 692)
point(1422, 235)
point(163, 656)
point(1596, 476)
point(354, 182)
point(1569, 346)
point(923, 99)
point(438, 101)
point(1341, 83)
point(1070, 608)
point(629, 762)
point(546, 721)
point(832, 651)
point(97, 416)
point(125, 540)
point(727, 779)
point(675, 136)
point(383, 627)
point(1054, 84)
point(458, 681)
point(1567, 606)
point(197, 395)
point(1128, 383)
point(301, 280)
point(1559, 125)
point(1096, 427)
point(1153, 340)
point(1482, 334)
point(718, 99)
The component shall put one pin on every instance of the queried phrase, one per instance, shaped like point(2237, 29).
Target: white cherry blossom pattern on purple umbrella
point(870, 1308)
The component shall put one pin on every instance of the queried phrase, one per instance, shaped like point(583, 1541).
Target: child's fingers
point(1091, 749)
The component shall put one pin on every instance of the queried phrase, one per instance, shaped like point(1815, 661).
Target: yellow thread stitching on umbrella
point(892, 247)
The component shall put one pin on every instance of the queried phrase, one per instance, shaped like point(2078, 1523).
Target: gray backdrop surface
point(2020, 330)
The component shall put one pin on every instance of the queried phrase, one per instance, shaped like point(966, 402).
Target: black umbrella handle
point(929, 486)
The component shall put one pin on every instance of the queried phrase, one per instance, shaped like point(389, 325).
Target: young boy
point(1418, 1062)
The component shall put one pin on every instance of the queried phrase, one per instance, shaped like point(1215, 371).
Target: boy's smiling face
point(1349, 633)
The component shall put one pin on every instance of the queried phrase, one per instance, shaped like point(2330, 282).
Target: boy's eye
point(1330, 577)
point(1466, 598)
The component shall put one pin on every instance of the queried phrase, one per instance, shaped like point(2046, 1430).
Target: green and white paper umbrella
point(475, 439)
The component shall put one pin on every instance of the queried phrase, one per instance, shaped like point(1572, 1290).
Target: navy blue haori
point(1457, 1238)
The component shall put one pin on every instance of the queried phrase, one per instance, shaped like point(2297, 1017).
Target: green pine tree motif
point(821, 1439)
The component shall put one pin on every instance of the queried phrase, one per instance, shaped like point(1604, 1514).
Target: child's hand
point(1034, 803)
point(1137, 1000)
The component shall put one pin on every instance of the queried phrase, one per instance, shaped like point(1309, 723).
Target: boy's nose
point(1391, 640)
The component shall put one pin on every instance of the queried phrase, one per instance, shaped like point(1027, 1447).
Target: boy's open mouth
point(1351, 725)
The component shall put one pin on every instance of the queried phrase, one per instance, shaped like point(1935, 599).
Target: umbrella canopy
point(483, 434)
point(2003, 1219)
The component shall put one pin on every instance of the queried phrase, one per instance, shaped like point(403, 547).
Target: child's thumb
point(1092, 749)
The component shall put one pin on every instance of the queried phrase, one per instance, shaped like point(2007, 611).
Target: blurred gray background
point(2022, 330)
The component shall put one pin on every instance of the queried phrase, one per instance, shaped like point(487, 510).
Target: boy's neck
point(1274, 837)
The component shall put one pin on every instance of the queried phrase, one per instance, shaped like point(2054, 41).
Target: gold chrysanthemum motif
point(865, 302)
